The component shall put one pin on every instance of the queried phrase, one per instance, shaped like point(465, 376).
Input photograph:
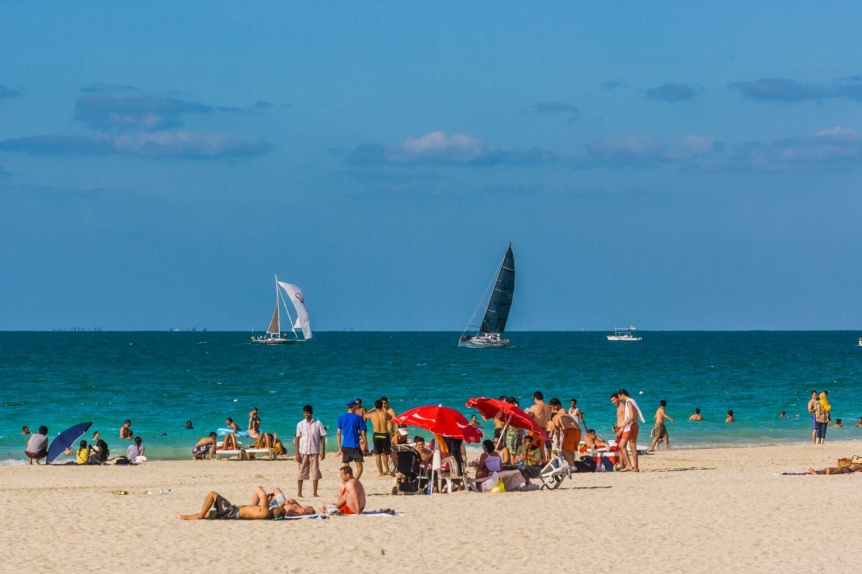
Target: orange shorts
point(344, 509)
point(571, 439)
point(631, 435)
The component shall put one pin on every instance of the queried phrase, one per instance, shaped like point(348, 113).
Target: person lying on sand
point(293, 508)
point(849, 469)
point(217, 507)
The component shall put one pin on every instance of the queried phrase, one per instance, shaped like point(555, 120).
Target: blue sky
point(672, 166)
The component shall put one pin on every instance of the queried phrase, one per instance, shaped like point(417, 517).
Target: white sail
point(302, 319)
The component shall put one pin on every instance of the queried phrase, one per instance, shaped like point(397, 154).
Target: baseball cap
point(351, 403)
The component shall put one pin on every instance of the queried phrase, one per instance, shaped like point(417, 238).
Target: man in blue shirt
point(351, 429)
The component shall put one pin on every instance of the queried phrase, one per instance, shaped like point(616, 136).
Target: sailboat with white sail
point(496, 310)
point(274, 335)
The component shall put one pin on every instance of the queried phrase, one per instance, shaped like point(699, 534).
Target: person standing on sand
point(350, 436)
point(351, 494)
point(631, 429)
point(821, 417)
point(659, 431)
point(811, 404)
point(570, 433)
point(310, 444)
point(540, 412)
point(392, 414)
point(380, 422)
point(577, 414)
point(696, 416)
point(621, 409)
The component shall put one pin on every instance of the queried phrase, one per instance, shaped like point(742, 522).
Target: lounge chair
point(554, 472)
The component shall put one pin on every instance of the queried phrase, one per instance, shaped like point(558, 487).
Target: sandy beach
point(724, 510)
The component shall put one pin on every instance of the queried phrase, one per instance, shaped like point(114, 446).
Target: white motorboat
point(624, 334)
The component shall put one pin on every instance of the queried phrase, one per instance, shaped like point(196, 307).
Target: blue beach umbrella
point(66, 439)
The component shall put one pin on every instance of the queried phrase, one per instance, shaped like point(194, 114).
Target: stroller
point(411, 477)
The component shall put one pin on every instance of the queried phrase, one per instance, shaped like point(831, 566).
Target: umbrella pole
point(503, 433)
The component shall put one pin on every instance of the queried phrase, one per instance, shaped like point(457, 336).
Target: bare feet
point(811, 471)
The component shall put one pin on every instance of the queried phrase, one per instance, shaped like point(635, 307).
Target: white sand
point(723, 510)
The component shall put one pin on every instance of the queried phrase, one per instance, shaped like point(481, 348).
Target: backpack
point(586, 464)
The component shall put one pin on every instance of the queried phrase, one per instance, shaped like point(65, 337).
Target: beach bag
point(842, 462)
point(500, 487)
point(586, 464)
point(856, 459)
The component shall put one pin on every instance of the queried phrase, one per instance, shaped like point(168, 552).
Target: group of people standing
point(819, 408)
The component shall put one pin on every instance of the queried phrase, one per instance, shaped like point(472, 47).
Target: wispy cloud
point(124, 121)
point(7, 92)
point(570, 112)
point(439, 148)
point(670, 92)
point(640, 151)
point(161, 144)
point(116, 111)
point(834, 148)
point(613, 85)
point(786, 90)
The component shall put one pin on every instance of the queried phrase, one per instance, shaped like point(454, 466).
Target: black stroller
point(411, 476)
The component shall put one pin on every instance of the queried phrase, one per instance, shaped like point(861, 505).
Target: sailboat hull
point(481, 342)
point(272, 341)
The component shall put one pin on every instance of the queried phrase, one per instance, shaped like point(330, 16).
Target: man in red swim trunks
point(351, 494)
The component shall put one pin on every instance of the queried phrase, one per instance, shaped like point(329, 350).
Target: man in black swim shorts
point(381, 421)
point(218, 507)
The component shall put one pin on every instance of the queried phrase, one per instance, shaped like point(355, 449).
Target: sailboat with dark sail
point(274, 335)
point(496, 311)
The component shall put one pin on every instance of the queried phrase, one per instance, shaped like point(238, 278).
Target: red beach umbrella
point(507, 412)
point(440, 420)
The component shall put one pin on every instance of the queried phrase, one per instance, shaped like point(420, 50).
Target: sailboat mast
point(278, 315)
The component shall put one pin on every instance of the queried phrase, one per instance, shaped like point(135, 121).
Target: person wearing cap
point(349, 435)
point(400, 436)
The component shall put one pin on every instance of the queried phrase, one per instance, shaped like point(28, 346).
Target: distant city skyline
point(673, 167)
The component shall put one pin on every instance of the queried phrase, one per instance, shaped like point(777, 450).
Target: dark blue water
point(159, 380)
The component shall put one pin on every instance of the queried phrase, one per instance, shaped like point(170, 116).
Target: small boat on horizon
point(274, 334)
point(624, 334)
point(496, 310)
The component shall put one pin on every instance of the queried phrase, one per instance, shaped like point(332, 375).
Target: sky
point(674, 166)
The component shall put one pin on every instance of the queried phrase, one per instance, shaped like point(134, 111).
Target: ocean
point(160, 380)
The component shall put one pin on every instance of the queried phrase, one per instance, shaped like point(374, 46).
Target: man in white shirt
point(310, 444)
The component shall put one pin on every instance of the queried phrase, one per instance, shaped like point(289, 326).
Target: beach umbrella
point(66, 439)
point(507, 412)
point(440, 420)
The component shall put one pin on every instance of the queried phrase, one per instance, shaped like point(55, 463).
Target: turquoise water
point(159, 380)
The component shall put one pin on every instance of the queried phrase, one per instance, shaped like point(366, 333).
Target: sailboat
point(496, 310)
point(274, 334)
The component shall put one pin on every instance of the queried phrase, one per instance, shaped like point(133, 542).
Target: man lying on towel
point(217, 507)
point(351, 495)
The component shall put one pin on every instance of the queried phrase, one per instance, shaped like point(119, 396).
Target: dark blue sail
point(497, 312)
